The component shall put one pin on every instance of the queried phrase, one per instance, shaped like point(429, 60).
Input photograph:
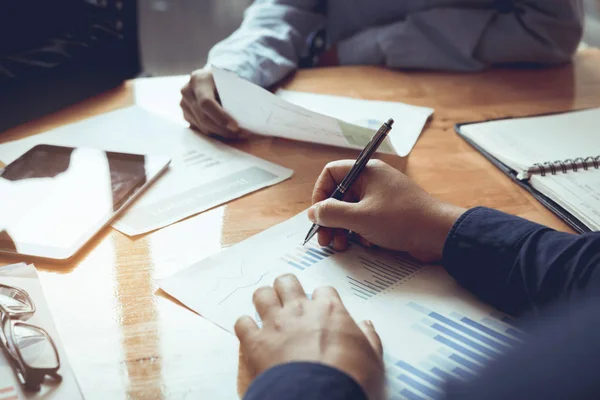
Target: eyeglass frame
point(31, 378)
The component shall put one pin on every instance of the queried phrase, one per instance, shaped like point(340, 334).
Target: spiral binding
point(566, 165)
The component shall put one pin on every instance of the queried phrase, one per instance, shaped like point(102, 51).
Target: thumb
point(333, 213)
point(372, 336)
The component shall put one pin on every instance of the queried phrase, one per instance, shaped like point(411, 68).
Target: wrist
point(438, 221)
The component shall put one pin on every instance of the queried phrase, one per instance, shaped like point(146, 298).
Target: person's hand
point(295, 328)
point(385, 208)
point(201, 107)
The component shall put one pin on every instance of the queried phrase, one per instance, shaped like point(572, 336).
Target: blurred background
point(51, 58)
point(176, 35)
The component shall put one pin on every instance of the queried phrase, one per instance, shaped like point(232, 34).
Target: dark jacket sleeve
point(304, 380)
point(560, 360)
point(519, 266)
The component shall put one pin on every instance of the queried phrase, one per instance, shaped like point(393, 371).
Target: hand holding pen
point(354, 173)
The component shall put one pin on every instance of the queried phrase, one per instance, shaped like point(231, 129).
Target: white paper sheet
point(429, 325)
point(262, 112)
point(409, 120)
point(25, 277)
point(203, 172)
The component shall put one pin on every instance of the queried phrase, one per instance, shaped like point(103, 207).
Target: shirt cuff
point(304, 380)
point(243, 69)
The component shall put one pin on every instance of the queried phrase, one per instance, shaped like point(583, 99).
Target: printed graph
point(377, 276)
point(305, 256)
point(465, 347)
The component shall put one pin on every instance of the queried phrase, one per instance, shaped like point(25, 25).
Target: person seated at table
point(278, 36)
point(313, 349)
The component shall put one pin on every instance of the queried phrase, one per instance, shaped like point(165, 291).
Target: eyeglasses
point(32, 351)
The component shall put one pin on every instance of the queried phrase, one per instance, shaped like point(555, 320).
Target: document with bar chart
point(431, 328)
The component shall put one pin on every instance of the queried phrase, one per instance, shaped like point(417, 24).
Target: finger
point(340, 240)
point(364, 241)
point(330, 177)
point(372, 336)
point(244, 327)
point(336, 214)
point(189, 116)
point(201, 122)
point(211, 127)
point(325, 236)
point(219, 116)
point(266, 301)
point(205, 125)
point(187, 92)
point(326, 293)
point(288, 288)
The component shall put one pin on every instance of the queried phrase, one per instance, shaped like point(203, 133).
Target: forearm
point(470, 39)
point(270, 41)
point(517, 265)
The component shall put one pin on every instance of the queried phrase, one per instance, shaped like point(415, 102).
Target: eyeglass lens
point(14, 300)
point(35, 346)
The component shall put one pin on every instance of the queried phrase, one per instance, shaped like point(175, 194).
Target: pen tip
point(390, 122)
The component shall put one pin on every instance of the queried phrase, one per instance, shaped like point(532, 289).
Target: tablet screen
point(53, 199)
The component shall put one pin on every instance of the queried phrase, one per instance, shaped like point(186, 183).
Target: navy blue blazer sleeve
point(304, 380)
point(519, 266)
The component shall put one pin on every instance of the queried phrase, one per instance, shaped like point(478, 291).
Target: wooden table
point(124, 339)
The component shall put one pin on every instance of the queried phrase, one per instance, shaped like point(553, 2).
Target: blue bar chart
point(378, 276)
point(306, 256)
point(464, 346)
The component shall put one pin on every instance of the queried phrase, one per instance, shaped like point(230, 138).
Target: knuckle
point(329, 306)
point(185, 89)
point(204, 101)
point(296, 307)
point(336, 164)
point(377, 163)
point(330, 289)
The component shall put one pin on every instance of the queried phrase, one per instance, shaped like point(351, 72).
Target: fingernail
point(312, 214)
point(233, 126)
point(369, 323)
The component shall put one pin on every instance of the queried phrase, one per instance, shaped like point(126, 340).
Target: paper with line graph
point(432, 329)
point(304, 117)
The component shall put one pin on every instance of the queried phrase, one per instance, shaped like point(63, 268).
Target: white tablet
point(54, 199)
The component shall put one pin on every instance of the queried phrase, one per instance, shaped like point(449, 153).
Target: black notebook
point(555, 157)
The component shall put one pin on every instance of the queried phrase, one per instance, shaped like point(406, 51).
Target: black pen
point(357, 168)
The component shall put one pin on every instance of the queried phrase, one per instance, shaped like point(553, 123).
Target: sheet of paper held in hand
point(330, 120)
point(431, 328)
point(203, 172)
point(25, 277)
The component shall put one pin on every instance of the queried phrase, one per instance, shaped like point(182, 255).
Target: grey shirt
point(456, 35)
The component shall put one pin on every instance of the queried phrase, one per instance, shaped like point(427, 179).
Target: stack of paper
point(203, 172)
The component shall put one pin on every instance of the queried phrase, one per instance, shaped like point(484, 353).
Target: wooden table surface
point(126, 340)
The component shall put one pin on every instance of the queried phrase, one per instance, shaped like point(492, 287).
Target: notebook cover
point(563, 214)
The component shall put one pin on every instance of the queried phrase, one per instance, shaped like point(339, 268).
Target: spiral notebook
point(555, 157)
